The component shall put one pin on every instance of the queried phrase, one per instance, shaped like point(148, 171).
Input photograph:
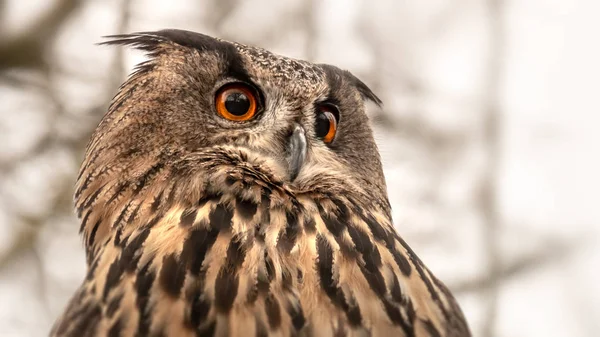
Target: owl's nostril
point(296, 151)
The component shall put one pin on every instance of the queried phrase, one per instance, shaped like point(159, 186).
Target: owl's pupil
point(322, 125)
point(237, 103)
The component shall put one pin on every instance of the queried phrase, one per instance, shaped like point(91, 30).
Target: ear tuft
point(365, 91)
point(147, 41)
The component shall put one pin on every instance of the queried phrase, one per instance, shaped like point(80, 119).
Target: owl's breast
point(254, 258)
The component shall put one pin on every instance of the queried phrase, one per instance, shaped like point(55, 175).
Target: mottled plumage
point(195, 225)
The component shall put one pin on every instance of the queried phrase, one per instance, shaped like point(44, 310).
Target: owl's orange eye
point(236, 102)
point(326, 123)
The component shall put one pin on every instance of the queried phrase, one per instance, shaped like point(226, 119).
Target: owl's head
point(300, 124)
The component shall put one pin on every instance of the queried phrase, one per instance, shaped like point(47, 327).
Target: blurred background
point(488, 135)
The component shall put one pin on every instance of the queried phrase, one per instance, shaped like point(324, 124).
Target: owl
point(230, 191)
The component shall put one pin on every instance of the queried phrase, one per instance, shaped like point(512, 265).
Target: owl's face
point(304, 124)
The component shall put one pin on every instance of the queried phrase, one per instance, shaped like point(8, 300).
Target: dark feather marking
point(202, 201)
point(332, 222)
point(286, 279)
point(226, 284)
point(401, 261)
point(270, 267)
point(261, 228)
point(433, 332)
point(252, 294)
point(265, 221)
point(132, 251)
point(84, 185)
point(92, 269)
point(115, 272)
point(67, 323)
point(265, 197)
point(220, 217)
point(84, 220)
point(147, 176)
point(230, 180)
point(153, 221)
point(156, 202)
point(207, 330)
point(410, 313)
point(287, 238)
point(86, 322)
point(91, 198)
point(336, 222)
point(377, 230)
point(117, 238)
point(310, 225)
point(188, 217)
point(195, 247)
point(395, 316)
point(381, 234)
point(372, 261)
point(134, 213)
point(371, 272)
point(119, 188)
point(265, 275)
point(115, 329)
point(420, 270)
point(325, 270)
point(226, 288)
point(297, 316)
point(113, 305)
point(366, 248)
point(261, 329)
point(80, 174)
point(172, 275)
point(342, 211)
point(353, 313)
point(347, 249)
point(143, 284)
point(273, 311)
point(200, 307)
point(92, 237)
point(121, 215)
point(245, 209)
point(236, 252)
point(396, 292)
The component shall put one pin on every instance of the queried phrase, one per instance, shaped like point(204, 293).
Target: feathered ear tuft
point(147, 41)
point(152, 41)
point(366, 92)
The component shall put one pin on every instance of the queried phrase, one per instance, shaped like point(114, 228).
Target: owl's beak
point(296, 151)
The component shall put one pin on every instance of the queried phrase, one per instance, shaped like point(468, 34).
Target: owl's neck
point(116, 200)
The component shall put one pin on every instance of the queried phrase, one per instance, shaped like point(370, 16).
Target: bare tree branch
point(28, 49)
point(492, 142)
point(549, 253)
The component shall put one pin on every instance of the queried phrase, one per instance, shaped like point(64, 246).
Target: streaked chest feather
point(274, 265)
